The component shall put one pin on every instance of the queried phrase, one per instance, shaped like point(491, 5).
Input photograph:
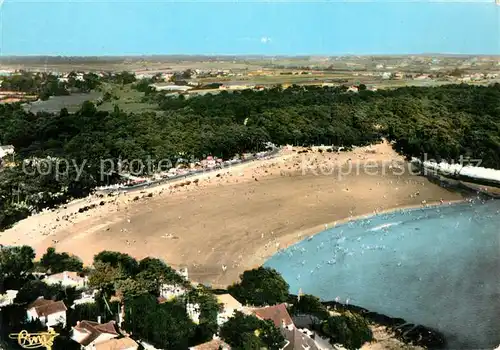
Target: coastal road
point(270, 154)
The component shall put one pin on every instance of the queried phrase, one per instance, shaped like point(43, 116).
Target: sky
point(329, 27)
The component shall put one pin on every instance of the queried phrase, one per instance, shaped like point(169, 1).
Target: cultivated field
point(54, 104)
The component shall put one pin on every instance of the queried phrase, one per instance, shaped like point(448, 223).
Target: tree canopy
point(166, 325)
point(348, 329)
point(59, 262)
point(154, 272)
point(16, 263)
point(260, 286)
point(248, 332)
point(309, 305)
point(209, 309)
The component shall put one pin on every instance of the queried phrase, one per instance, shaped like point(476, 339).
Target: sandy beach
point(231, 220)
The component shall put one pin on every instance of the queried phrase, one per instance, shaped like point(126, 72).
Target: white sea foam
point(381, 227)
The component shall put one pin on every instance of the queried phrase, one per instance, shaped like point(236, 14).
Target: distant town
point(200, 75)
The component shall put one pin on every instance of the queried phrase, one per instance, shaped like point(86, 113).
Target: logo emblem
point(35, 340)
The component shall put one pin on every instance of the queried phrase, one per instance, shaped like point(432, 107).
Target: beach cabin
point(208, 163)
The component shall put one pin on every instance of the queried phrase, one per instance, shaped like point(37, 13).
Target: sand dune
point(236, 217)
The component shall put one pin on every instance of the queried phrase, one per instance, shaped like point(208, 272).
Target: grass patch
point(126, 98)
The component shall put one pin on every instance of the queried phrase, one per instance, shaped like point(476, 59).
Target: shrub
point(348, 329)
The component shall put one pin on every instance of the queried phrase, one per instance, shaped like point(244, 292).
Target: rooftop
point(213, 344)
point(117, 344)
point(299, 340)
point(45, 307)
point(66, 275)
point(94, 330)
point(228, 301)
point(276, 313)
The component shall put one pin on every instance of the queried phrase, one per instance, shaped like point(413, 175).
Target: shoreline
point(313, 231)
point(445, 247)
point(235, 218)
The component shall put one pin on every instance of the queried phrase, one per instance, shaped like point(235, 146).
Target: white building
point(6, 150)
point(181, 88)
point(6, 72)
point(236, 86)
point(49, 312)
point(86, 298)
point(183, 272)
point(8, 297)
point(67, 279)
point(89, 334)
point(294, 338)
point(148, 346)
point(386, 75)
point(171, 291)
point(193, 312)
point(229, 306)
point(144, 75)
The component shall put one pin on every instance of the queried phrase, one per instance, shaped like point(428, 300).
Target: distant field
point(72, 103)
point(153, 66)
point(126, 99)
point(410, 63)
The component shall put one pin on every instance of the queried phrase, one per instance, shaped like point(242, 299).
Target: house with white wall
point(295, 338)
point(229, 306)
point(193, 312)
point(8, 297)
point(49, 312)
point(67, 279)
point(171, 291)
point(6, 150)
point(86, 298)
point(89, 334)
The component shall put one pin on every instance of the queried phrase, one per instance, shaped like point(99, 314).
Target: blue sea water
point(437, 266)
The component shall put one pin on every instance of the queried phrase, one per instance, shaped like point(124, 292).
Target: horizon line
point(222, 55)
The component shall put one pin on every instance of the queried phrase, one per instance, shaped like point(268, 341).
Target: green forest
point(443, 122)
